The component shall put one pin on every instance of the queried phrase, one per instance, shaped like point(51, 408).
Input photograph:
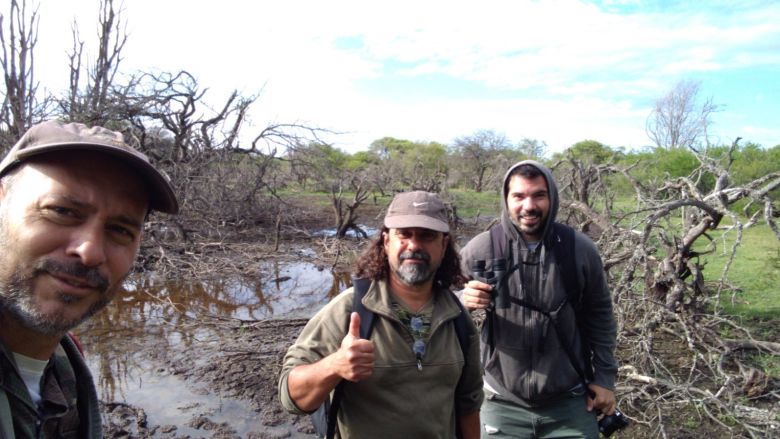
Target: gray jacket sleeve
point(598, 326)
point(477, 248)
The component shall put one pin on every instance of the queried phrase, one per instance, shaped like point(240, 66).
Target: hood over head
point(509, 228)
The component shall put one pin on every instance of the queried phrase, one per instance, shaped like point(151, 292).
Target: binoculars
point(495, 277)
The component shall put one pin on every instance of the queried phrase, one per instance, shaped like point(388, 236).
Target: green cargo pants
point(568, 417)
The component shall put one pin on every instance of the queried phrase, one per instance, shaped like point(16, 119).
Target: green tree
point(752, 161)
point(318, 161)
point(532, 148)
point(482, 156)
point(409, 165)
point(592, 152)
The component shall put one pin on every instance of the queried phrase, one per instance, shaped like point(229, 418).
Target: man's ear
point(6, 182)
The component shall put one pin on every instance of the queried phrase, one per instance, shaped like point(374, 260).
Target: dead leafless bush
point(679, 353)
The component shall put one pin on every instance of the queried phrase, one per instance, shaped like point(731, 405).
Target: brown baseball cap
point(52, 136)
point(417, 209)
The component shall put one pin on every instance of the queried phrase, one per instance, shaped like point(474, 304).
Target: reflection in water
point(370, 231)
point(164, 314)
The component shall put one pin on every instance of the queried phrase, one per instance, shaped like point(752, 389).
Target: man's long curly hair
point(372, 264)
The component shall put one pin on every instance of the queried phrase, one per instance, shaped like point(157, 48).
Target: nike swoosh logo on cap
point(416, 204)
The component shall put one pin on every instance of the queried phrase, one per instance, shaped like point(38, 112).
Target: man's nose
point(413, 242)
point(88, 244)
point(529, 203)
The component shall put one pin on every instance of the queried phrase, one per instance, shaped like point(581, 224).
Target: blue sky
point(556, 71)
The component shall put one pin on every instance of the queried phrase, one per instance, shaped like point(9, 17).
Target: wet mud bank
point(224, 385)
point(201, 358)
point(199, 355)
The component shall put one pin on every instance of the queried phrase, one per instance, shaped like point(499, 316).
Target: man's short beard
point(416, 273)
point(536, 229)
point(17, 301)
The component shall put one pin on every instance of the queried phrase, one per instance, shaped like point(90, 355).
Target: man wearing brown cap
point(73, 201)
point(403, 380)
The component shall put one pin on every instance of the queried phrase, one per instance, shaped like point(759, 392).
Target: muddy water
point(126, 343)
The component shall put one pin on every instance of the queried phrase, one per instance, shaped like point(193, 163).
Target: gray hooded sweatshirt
point(527, 364)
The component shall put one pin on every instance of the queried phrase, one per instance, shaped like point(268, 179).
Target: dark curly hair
point(372, 264)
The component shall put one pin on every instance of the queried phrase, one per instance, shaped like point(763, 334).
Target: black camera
point(612, 423)
point(496, 278)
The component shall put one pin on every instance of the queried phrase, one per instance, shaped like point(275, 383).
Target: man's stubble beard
point(534, 231)
point(16, 300)
point(17, 285)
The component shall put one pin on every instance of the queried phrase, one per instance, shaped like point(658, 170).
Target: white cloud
point(569, 70)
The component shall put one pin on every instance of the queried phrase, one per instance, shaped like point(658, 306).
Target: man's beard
point(415, 273)
point(534, 230)
point(16, 296)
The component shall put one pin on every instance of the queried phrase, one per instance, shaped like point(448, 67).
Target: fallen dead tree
point(680, 370)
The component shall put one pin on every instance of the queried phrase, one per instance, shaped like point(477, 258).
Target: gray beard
point(16, 292)
point(16, 301)
point(414, 274)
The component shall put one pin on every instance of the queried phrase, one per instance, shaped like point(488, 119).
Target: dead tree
point(671, 339)
point(677, 120)
point(20, 106)
point(90, 104)
point(346, 211)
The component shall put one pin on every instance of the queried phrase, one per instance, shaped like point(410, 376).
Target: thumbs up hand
point(355, 358)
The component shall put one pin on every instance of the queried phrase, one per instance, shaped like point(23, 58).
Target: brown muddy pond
point(152, 316)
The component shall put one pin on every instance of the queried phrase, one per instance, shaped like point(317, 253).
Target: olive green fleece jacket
point(398, 400)
point(527, 364)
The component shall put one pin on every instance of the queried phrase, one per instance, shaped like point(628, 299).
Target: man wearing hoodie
point(531, 387)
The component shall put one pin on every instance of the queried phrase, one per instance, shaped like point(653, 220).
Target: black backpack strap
point(462, 330)
point(562, 246)
point(360, 288)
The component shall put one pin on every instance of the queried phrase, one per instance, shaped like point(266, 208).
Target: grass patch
point(770, 364)
point(754, 275)
point(318, 199)
point(470, 203)
point(755, 272)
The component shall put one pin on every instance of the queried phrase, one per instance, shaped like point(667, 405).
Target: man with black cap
point(402, 382)
point(73, 200)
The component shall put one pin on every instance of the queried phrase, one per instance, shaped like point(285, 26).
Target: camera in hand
point(495, 277)
point(612, 423)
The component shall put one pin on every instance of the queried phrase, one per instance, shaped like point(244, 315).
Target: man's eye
point(62, 211)
point(428, 236)
point(123, 232)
